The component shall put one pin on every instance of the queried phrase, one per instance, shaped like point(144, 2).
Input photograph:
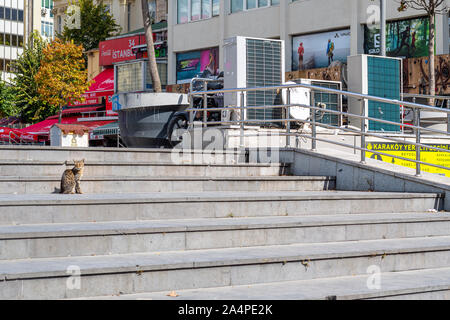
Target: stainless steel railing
point(362, 132)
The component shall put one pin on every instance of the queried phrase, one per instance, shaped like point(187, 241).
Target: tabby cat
point(70, 181)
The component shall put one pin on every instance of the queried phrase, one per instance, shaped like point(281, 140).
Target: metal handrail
point(362, 98)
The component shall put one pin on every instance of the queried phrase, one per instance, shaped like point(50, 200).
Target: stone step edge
point(224, 196)
point(204, 258)
point(171, 178)
point(112, 228)
point(140, 163)
point(337, 288)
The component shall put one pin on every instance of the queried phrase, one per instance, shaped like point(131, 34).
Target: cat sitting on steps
point(71, 178)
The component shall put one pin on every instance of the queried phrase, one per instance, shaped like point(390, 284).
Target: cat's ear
point(83, 160)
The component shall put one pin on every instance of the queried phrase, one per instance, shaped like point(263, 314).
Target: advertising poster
point(191, 64)
point(405, 38)
point(408, 151)
point(320, 50)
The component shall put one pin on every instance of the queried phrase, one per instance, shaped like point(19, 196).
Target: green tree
point(7, 101)
point(28, 103)
point(431, 7)
point(96, 24)
point(62, 76)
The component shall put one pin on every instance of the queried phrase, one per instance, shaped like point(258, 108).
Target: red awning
point(103, 85)
point(41, 128)
point(80, 110)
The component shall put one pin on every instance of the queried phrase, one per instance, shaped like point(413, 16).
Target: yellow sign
point(408, 151)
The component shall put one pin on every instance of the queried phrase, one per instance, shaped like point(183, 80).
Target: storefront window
point(129, 77)
point(182, 10)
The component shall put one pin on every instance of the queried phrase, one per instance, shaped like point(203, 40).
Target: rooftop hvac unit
point(254, 62)
point(380, 77)
point(330, 101)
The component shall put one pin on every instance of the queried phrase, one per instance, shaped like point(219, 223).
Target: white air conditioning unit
point(254, 62)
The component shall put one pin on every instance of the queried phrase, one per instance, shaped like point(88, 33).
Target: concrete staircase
point(146, 226)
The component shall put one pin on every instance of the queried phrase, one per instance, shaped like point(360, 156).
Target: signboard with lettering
point(118, 50)
point(408, 151)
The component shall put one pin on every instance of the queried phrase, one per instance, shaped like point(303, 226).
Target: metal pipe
point(383, 28)
point(242, 116)
point(324, 110)
point(322, 89)
point(363, 130)
point(205, 104)
point(288, 123)
point(313, 128)
point(417, 123)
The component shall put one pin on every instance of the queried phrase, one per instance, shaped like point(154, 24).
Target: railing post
point(417, 130)
point(288, 124)
point(313, 128)
point(363, 131)
point(448, 116)
point(241, 137)
point(205, 104)
point(191, 112)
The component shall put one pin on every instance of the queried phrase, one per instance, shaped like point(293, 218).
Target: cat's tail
point(57, 190)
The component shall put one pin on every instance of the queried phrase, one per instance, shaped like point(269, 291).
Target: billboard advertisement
point(320, 50)
point(191, 64)
point(404, 38)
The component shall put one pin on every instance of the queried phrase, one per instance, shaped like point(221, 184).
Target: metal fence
point(362, 132)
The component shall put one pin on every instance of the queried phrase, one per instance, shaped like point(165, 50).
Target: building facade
point(316, 32)
point(19, 18)
point(127, 13)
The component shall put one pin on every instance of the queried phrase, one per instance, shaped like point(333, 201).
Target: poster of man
point(320, 50)
point(404, 38)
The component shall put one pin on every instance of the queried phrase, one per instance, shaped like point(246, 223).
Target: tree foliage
point(28, 103)
point(8, 106)
point(62, 77)
point(431, 7)
point(97, 24)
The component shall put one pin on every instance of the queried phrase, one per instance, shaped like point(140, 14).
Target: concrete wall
point(354, 176)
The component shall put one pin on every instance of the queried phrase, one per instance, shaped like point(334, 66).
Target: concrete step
point(119, 237)
point(40, 153)
point(55, 278)
point(111, 184)
point(428, 284)
point(61, 208)
point(139, 168)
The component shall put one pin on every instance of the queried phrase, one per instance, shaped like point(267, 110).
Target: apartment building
point(18, 18)
point(307, 27)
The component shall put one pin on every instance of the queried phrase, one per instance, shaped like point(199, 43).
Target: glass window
point(237, 5)
point(251, 4)
point(206, 9)
point(263, 3)
point(182, 11)
point(216, 7)
point(195, 10)
point(275, 2)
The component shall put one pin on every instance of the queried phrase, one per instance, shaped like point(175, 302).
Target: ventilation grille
point(263, 69)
